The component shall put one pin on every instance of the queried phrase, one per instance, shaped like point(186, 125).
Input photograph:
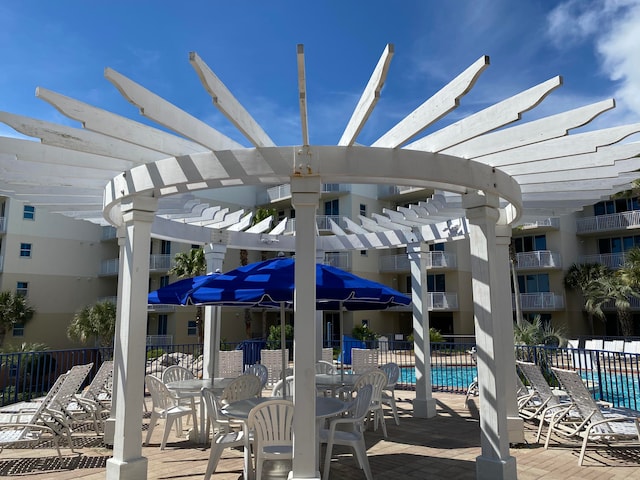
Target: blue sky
point(251, 45)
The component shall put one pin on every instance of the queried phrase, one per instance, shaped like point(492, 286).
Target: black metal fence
point(612, 376)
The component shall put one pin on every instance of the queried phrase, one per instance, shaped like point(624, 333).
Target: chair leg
point(152, 424)
point(361, 455)
point(394, 409)
point(167, 429)
point(214, 457)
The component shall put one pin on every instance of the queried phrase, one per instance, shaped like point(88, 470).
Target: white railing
point(442, 301)
point(338, 259)
point(551, 222)
point(400, 263)
point(282, 192)
point(634, 304)
point(109, 267)
point(321, 220)
point(538, 259)
point(541, 301)
point(159, 339)
point(160, 262)
point(614, 221)
point(610, 260)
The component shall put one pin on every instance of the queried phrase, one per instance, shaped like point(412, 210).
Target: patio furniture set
point(239, 416)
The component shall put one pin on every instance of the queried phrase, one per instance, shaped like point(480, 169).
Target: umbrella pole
point(283, 348)
point(341, 343)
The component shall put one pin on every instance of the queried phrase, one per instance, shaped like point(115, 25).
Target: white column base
point(424, 408)
point(315, 477)
point(515, 427)
point(492, 469)
point(130, 470)
point(109, 431)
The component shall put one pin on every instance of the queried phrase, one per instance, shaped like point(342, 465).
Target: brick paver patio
point(444, 447)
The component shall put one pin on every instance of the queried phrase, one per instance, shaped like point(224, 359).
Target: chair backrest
point(325, 367)
point(581, 398)
point(362, 403)
point(271, 423)
point(75, 377)
point(259, 371)
point(102, 381)
point(376, 378)
point(534, 376)
point(230, 363)
point(46, 402)
point(176, 373)
point(244, 386)
point(392, 370)
point(272, 359)
point(160, 395)
point(212, 406)
point(279, 388)
point(363, 359)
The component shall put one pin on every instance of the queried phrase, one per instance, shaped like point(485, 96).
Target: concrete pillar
point(130, 352)
point(214, 254)
point(492, 312)
point(305, 194)
point(424, 405)
point(515, 424)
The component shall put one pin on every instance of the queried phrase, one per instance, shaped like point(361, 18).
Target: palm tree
point(630, 270)
point(581, 277)
point(14, 309)
point(614, 288)
point(96, 321)
point(191, 264)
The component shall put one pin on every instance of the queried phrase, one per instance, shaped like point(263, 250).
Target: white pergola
point(492, 175)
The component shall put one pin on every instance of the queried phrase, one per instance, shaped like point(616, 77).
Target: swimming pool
point(449, 378)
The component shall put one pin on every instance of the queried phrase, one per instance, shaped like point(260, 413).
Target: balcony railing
point(610, 260)
point(551, 223)
point(439, 301)
point(538, 259)
point(400, 263)
point(541, 301)
point(159, 262)
point(614, 221)
point(282, 192)
point(338, 259)
point(323, 222)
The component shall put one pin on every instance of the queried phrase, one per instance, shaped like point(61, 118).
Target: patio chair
point(271, 423)
point(167, 407)
point(363, 360)
point(230, 363)
point(259, 371)
point(66, 404)
point(175, 373)
point(596, 423)
point(353, 436)
point(327, 355)
point(27, 427)
point(278, 388)
point(392, 370)
point(325, 367)
point(223, 437)
point(543, 405)
point(96, 398)
point(244, 386)
point(272, 359)
point(378, 380)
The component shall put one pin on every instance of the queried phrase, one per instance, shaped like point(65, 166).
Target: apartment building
point(62, 264)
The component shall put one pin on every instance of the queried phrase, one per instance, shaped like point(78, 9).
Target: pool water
point(453, 377)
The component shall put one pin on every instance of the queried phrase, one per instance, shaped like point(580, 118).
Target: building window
point(531, 243)
point(363, 209)
point(162, 324)
point(165, 247)
point(29, 212)
point(364, 253)
point(534, 283)
point(436, 247)
point(436, 283)
point(25, 250)
point(164, 281)
point(618, 244)
point(18, 330)
point(192, 328)
point(332, 207)
point(22, 288)
point(618, 205)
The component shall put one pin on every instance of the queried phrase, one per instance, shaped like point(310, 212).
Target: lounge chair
point(597, 423)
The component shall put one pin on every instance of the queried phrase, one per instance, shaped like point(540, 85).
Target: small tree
point(96, 322)
point(14, 309)
point(274, 339)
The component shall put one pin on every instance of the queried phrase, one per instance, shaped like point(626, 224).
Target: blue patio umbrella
point(271, 283)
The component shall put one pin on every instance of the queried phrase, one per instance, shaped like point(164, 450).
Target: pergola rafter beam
point(369, 98)
point(302, 95)
point(230, 107)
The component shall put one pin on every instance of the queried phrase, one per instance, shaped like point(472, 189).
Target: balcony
point(542, 224)
point(541, 301)
point(400, 263)
point(634, 304)
point(323, 222)
point(283, 192)
point(539, 259)
point(610, 260)
point(157, 263)
point(608, 223)
point(340, 260)
point(108, 233)
point(436, 302)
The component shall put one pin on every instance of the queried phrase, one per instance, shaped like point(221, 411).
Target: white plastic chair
point(230, 363)
point(363, 359)
point(165, 406)
point(244, 386)
point(278, 388)
point(378, 380)
point(323, 367)
point(259, 371)
point(272, 359)
point(392, 370)
point(354, 437)
point(271, 423)
point(175, 373)
point(222, 437)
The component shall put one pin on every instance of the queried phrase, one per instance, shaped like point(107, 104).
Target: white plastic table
point(335, 381)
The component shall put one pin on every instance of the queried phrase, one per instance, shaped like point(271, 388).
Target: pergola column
point(492, 312)
point(214, 253)
point(515, 423)
point(130, 343)
point(305, 194)
point(424, 405)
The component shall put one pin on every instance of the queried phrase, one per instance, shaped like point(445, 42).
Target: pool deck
point(444, 447)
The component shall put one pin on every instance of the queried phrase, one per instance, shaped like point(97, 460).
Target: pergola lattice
point(143, 180)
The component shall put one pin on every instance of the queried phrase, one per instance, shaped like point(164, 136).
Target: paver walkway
point(444, 447)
